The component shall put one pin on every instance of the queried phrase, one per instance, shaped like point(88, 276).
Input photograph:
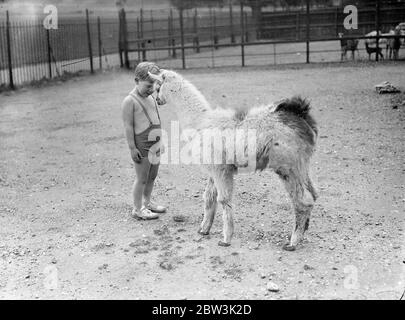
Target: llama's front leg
point(210, 200)
point(224, 183)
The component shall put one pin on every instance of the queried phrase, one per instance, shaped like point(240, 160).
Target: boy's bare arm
point(128, 119)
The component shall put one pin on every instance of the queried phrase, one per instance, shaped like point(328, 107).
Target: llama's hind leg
point(210, 200)
point(344, 54)
point(302, 212)
point(396, 54)
point(224, 184)
point(303, 203)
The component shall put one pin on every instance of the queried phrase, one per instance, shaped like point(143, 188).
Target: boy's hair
point(142, 69)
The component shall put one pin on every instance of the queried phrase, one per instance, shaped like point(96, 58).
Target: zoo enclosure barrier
point(176, 38)
point(182, 32)
point(30, 52)
point(256, 29)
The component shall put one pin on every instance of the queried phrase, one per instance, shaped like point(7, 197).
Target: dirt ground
point(66, 178)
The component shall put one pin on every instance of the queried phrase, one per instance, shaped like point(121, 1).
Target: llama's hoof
point(203, 232)
point(223, 244)
point(288, 247)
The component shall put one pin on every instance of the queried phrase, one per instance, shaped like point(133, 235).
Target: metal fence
point(30, 52)
point(311, 34)
point(182, 33)
point(328, 22)
point(202, 37)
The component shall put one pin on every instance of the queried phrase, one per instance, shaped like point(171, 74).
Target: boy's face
point(145, 87)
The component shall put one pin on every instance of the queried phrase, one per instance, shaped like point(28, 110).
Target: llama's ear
point(156, 77)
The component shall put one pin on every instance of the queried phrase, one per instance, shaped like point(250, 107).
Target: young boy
point(143, 130)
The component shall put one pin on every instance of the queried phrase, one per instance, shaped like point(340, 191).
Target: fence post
point(172, 39)
point(89, 41)
point(99, 42)
point(195, 21)
point(231, 22)
point(120, 45)
point(125, 36)
point(214, 16)
point(337, 21)
point(48, 44)
point(141, 33)
point(377, 28)
point(183, 58)
point(242, 34)
point(246, 28)
point(138, 36)
point(141, 22)
point(10, 67)
point(174, 54)
point(142, 37)
point(195, 31)
point(143, 50)
point(169, 27)
point(297, 26)
point(211, 26)
point(153, 28)
point(307, 35)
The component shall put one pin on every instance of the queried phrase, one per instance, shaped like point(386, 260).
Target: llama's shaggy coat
point(285, 141)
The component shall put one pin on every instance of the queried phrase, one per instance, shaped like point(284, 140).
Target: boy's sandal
point(144, 214)
point(152, 206)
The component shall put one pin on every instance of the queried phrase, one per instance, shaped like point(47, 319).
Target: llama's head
point(169, 84)
point(173, 88)
point(397, 30)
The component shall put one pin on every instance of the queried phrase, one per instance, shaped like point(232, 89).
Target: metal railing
point(193, 38)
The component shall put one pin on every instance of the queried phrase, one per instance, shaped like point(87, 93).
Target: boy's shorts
point(146, 146)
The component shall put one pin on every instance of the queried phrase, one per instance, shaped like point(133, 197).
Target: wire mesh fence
point(31, 52)
point(232, 35)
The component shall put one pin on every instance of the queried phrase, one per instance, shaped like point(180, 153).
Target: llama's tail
point(297, 107)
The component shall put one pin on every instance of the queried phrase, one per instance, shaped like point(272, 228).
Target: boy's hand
point(136, 155)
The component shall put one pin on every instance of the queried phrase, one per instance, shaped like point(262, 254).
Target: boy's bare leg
point(142, 171)
point(147, 191)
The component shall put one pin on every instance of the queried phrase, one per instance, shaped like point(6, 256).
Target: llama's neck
point(189, 104)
